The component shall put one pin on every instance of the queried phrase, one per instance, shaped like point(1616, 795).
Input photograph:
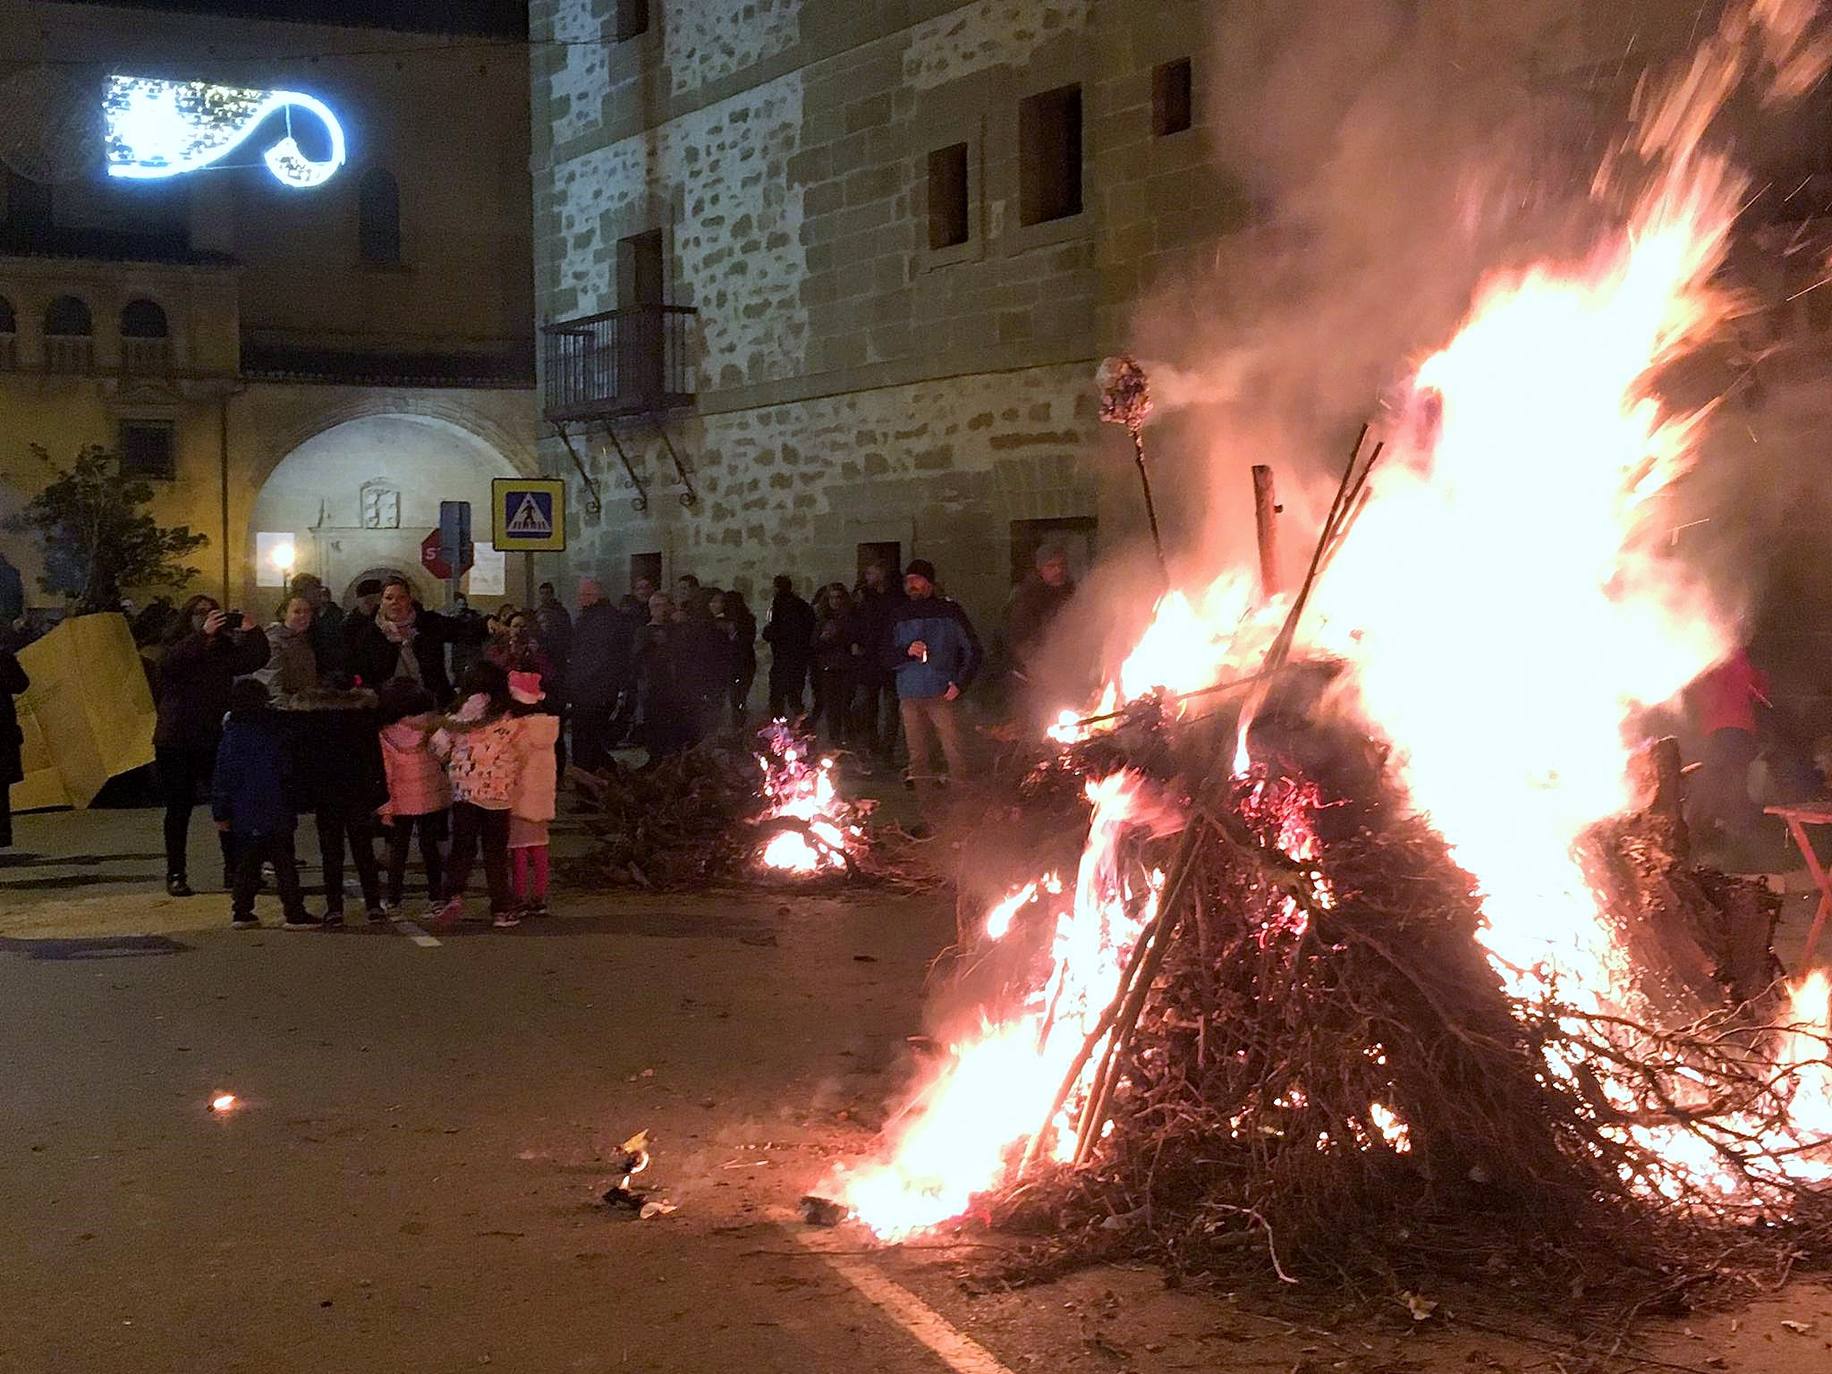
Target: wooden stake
point(1265, 524)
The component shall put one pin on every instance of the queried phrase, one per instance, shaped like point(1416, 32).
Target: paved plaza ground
point(411, 1177)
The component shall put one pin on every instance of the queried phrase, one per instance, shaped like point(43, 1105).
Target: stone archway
point(362, 494)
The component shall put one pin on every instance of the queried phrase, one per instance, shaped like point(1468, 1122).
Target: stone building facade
point(897, 328)
point(318, 365)
point(910, 229)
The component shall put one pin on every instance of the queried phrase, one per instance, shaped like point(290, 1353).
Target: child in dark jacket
point(338, 775)
point(250, 798)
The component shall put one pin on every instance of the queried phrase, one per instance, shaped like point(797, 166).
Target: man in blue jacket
point(935, 656)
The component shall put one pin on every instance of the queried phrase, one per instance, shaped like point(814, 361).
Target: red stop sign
point(430, 560)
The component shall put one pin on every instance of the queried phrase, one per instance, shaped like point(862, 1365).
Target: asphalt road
point(411, 1178)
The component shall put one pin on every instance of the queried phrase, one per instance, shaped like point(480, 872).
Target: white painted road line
point(959, 1351)
point(414, 933)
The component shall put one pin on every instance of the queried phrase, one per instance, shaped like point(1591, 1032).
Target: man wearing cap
point(935, 655)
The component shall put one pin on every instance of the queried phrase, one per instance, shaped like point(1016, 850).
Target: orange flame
point(1502, 608)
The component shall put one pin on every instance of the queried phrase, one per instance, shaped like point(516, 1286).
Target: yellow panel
point(88, 715)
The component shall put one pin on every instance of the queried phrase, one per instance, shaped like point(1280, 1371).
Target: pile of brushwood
point(1313, 1070)
point(683, 822)
point(700, 819)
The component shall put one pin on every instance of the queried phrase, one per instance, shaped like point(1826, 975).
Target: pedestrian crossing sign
point(529, 514)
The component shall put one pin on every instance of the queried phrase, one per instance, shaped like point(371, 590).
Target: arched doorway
point(423, 586)
point(357, 499)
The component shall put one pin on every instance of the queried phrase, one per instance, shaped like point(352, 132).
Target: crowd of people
point(351, 717)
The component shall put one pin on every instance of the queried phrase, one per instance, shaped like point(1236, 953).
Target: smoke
point(1376, 162)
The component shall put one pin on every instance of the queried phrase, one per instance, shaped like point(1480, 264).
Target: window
point(632, 18)
point(949, 225)
point(1049, 148)
point(645, 567)
point(378, 218)
point(143, 320)
point(68, 318)
point(1074, 535)
point(145, 342)
point(147, 448)
point(69, 341)
point(1172, 108)
point(642, 271)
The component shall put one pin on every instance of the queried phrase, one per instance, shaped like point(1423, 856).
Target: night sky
point(500, 17)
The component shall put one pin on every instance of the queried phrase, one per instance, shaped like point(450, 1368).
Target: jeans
point(593, 735)
point(183, 774)
point(472, 825)
point(1720, 795)
point(251, 851)
point(833, 703)
point(786, 680)
point(432, 828)
point(877, 716)
point(335, 826)
point(928, 722)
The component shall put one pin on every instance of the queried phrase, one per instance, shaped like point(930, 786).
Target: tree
point(99, 539)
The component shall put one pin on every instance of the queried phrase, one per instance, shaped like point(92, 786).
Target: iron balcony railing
point(623, 362)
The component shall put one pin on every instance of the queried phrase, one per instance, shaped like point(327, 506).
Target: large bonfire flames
point(1503, 568)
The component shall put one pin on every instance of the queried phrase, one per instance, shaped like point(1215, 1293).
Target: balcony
point(146, 357)
point(621, 363)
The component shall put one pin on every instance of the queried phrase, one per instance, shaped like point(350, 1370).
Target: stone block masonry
point(940, 468)
point(854, 383)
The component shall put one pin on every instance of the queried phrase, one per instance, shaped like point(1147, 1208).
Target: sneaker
point(303, 921)
point(534, 911)
point(447, 916)
point(378, 915)
point(244, 923)
point(176, 886)
point(506, 920)
point(332, 918)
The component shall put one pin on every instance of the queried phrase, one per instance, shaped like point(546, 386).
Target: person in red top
point(1724, 703)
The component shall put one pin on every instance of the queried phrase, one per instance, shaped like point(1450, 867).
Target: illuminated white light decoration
point(162, 129)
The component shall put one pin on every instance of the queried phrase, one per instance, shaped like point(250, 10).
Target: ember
point(1391, 974)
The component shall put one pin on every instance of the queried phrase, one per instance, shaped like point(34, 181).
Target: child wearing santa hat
point(537, 734)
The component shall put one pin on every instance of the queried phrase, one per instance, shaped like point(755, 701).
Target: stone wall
point(852, 384)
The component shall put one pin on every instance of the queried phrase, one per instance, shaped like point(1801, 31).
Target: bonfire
point(730, 809)
point(1360, 937)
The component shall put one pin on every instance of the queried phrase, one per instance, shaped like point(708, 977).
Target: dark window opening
point(888, 556)
point(1172, 104)
point(148, 448)
point(642, 287)
point(1049, 146)
point(143, 320)
point(646, 566)
point(948, 220)
point(68, 318)
point(1075, 535)
point(378, 218)
point(632, 18)
point(28, 207)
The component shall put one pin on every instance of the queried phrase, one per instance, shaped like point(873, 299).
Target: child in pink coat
point(537, 735)
point(419, 796)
